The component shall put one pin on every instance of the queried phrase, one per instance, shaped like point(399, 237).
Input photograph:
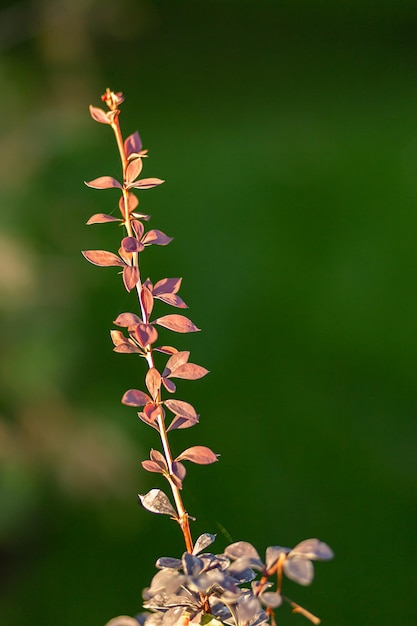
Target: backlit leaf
point(166, 349)
point(104, 182)
point(169, 385)
point(133, 170)
point(99, 115)
point(127, 348)
point(202, 542)
point(179, 470)
point(127, 320)
point(198, 454)
point(173, 300)
point(182, 422)
point(132, 203)
point(130, 276)
point(156, 237)
point(138, 228)
point(146, 334)
point(189, 371)
point(131, 244)
point(146, 299)
point(177, 359)
point(241, 549)
point(135, 397)
point(153, 411)
point(147, 421)
point(177, 323)
point(146, 183)
point(156, 501)
point(271, 598)
point(102, 218)
point(167, 285)
point(150, 466)
point(299, 570)
point(179, 407)
point(153, 382)
point(312, 549)
point(103, 258)
point(117, 337)
point(132, 144)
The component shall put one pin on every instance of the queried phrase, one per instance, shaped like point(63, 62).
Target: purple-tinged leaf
point(198, 454)
point(146, 299)
point(132, 203)
point(153, 382)
point(135, 397)
point(132, 144)
point(145, 183)
point(138, 228)
point(102, 218)
point(313, 549)
point(167, 285)
point(168, 562)
point(271, 598)
point(133, 170)
point(131, 244)
point(189, 371)
point(300, 570)
point(184, 409)
point(127, 320)
point(166, 349)
point(158, 457)
point(130, 276)
point(202, 542)
point(179, 470)
point(272, 555)
point(150, 466)
point(156, 237)
point(99, 115)
point(147, 421)
point(156, 501)
point(169, 385)
point(103, 258)
point(177, 359)
point(127, 348)
point(104, 182)
point(173, 300)
point(146, 334)
point(182, 422)
point(177, 323)
point(241, 549)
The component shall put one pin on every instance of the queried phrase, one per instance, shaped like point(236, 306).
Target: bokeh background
point(287, 134)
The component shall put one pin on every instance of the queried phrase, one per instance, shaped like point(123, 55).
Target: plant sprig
point(234, 587)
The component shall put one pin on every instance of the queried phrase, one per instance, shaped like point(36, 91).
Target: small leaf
point(117, 337)
point(169, 385)
point(179, 470)
point(147, 421)
point(99, 115)
point(158, 457)
point(146, 183)
point(127, 320)
point(156, 237)
point(138, 229)
point(104, 182)
point(177, 359)
point(168, 562)
point(150, 466)
point(130, 276)
point(146, 334)
point(189, 371)
point(241, 549)
point(102, 218)
point(146, 299)
point(132, 144)
point(202, 542)
point(299, 570)
point(135, 397)
point(133, 170)
point(198, 454)
point(127, 348)
point(271, 598)
point(132, 203)
point(177, 323)
point(153, 382)
point(182, 422)
point(184, 409)
point(156, 501)
point(103, 258)
point(312, 549)
point(153, 411)
point(167, 285)
point(166, 349)
point(173, 300)
point(131, 244)
point(272, 555)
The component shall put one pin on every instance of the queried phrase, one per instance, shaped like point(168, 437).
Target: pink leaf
point(173, 300)
point(130, 276)
point(167, 349)
point(153, 382)
point(198, 454)
point(127, 320)
point(99, 115)
point(150, 466)
point(127, 348)
point(132, 203)
point(131, 244)
point(181, 422)
point(146, 183)
point(167, 285)
point(177, 323)
point(179, 470)
point(156, 237)
point(133, 170)
point(179, 407)
point(147, 300)
point(169, 385)
point(132, 144)
point(146, 334)
point(134, 397)
point(117, 337)
point(147, 421)
point(159, 458)
point(104, 182)
point(102, 218)
point(177, 359)
point(189, 371)
point(138, 228)
point(153, 411)
point(103, 258)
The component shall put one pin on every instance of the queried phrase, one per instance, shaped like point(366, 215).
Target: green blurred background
point(287, 134)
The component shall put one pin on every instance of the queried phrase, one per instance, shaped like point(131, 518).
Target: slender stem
point(183, 518)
